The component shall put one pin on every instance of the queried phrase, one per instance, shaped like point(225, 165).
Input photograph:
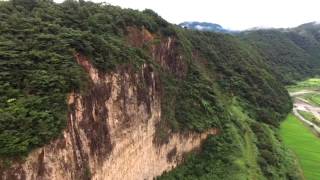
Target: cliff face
point(111, 129)
point(149, 80)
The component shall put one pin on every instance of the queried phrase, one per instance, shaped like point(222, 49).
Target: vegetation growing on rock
point(226, 83)
point(38, 69)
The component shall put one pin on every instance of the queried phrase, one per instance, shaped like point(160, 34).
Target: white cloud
point(199, 27)
point(234, 14)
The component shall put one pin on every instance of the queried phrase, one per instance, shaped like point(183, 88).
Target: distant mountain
point(204, 26)
point(309, 26)
point(292, 52)
point(124, 88)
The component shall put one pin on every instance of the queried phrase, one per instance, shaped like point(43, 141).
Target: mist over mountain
point(95, 91)
point(204, 26)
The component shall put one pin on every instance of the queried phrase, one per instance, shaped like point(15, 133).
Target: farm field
point(304, 144)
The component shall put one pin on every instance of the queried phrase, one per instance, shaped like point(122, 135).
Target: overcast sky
point(233, 14)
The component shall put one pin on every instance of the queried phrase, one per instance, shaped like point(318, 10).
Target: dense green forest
point(37, 43)
point(231, 82)
point(292, 53)
point(254, 101)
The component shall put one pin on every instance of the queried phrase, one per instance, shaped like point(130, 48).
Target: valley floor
point(301, 130)
point(304, 144)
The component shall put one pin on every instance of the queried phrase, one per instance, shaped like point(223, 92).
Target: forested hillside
point(221, 82)
point(292, 53)
point(256, 102)
point(37, 46)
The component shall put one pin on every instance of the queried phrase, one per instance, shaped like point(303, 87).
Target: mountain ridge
point(103, 82)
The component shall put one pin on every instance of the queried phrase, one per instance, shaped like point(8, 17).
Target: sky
point(231, 14)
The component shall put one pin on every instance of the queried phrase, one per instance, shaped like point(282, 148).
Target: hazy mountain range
point(205, 26)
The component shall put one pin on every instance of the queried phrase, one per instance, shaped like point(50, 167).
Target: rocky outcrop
point(164, 50)
point(110, 131)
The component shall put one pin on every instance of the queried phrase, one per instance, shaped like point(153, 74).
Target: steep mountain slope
point(250, 137)
point(307, 36)
point(292, 53)
point(93, 91)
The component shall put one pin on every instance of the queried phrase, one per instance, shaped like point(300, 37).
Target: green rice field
point(304, 144)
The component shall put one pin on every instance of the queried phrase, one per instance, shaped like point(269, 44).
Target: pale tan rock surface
point(111, 130)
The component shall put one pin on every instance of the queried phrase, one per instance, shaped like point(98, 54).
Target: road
point(304, 105)
point(302, 92)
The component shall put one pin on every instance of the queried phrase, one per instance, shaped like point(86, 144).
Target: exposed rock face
point(110, 132)
point(163, 50)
